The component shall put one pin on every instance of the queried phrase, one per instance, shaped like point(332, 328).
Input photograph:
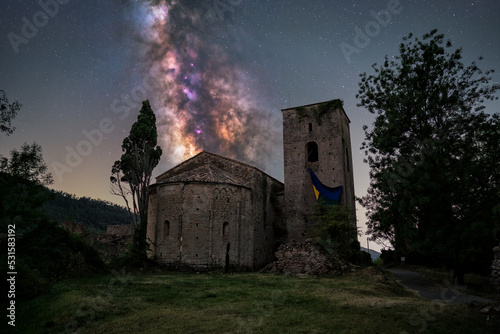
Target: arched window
point(166, 228)
point(312, 151)
point(225, 230)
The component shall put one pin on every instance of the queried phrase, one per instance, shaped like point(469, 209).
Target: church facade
point(211, 210)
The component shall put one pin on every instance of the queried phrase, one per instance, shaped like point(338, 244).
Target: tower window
point(166, 228)
point(225, 230)
point(312, 151)
point(310, 127)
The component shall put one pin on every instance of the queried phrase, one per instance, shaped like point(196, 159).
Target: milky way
point(205, 98)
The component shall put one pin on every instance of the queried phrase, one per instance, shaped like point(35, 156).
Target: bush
point(335, 231)
point(29, 282)
point(378, 262)
point(49, 253)
point(357, 256)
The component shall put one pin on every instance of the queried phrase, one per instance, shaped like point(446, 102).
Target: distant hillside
point(94, 214)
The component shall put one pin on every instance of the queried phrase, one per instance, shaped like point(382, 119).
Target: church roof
point(212, 168)
point(206, 174)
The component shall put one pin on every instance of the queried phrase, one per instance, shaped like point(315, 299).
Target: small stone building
point(210, 206)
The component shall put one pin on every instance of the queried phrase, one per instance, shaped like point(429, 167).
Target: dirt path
point(444, 292)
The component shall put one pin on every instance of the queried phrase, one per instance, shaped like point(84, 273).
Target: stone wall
point(192, 223)
point(120, 230)
point(495, 268)
point(209, 204)
point(110, 246)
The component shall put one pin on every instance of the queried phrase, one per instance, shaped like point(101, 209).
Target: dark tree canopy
point(433, 154)
point(131, 174)
point(8, 112)
point(22, 180)
point(95, 214)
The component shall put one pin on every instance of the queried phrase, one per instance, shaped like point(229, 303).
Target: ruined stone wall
point(495, 269)
point(293, 258)
point(120, 230)
point(333, 166)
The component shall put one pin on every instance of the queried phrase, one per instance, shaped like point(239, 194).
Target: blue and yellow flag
point(324, 193)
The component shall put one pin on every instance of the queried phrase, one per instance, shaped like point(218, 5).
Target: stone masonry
point(315, 136)
point(305, 258)
point(120, 230)
point(210, 206)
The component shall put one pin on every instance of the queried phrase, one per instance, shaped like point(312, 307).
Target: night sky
point(217, 73)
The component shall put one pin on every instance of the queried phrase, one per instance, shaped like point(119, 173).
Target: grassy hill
point(365, 301)
point(94, 214)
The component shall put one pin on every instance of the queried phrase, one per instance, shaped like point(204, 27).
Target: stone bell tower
point(316, 137)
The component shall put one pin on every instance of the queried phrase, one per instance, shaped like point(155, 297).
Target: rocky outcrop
point(305, 258)
point(495, 269)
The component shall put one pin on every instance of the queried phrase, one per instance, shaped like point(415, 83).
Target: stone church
point(211, 209)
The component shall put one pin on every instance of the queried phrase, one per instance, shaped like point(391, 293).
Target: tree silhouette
point(8, 112)
point(131, 174)
point(432, 152)
point(24, 176)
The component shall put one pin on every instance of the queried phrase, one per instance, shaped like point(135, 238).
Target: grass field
point(366, 301)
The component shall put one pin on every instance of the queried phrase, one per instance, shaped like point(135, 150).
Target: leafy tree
point(336, 233)
point(131, 174)
point(433, 154)
point(49, 253)
point(22, 181)
point(334, 225)
point(8, 112)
